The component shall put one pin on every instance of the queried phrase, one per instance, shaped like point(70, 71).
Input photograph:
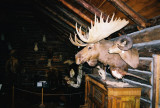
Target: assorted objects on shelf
point(74, 80)
point(101, 72)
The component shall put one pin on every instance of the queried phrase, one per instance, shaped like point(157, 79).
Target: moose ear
point(131, 57)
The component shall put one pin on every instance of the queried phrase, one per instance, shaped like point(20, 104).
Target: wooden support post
point(156, 67)
point(76, 11)
point(42, 95)
point(130, 13)
point(42, 105)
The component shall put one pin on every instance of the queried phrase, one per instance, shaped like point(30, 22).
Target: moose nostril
point(109, 51)
point(78, 61)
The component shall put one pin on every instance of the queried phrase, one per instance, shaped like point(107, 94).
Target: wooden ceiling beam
point(154, 21)
point(145, 35)
point(60, 29)
point(91, 8)
point(55, 14)
point(76, 11)
point(57, 33)
point(62, 32)
point(60, 17)
point(57, 20)
point(60, 37)
point(71, 16)
point(129, 12)
point(94, 10)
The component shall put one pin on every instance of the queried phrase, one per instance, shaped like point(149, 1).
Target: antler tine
point(70, 38)
point(82, 37)
point(103, 29)
point(79, 41)
point(100, 30)
point(76, 42)
point(112, 17)
point(72, 41)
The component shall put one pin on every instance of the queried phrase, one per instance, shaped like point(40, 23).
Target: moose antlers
point(100, 30)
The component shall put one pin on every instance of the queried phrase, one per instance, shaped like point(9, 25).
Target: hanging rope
point(48, 94)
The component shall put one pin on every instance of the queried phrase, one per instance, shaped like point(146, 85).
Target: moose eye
point(89, 47)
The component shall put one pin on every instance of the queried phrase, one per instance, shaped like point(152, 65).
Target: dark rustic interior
point(48, 24)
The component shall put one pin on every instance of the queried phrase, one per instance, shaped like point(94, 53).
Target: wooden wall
point(24, 31)
point(147, 42)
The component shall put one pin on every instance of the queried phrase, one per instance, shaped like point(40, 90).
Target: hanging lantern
point(60, 57)
point(36, 47)
point(49, 63)
point(2, 37)
point(44, 38)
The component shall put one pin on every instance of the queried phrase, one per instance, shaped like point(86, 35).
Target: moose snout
point(78, 59)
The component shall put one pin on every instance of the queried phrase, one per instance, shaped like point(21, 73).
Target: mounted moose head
point(118, 54)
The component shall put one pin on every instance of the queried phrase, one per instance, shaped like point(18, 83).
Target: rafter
point(59, 17)
point(91, 8)
point(56, 20)
point(94, 10)
point(129, 12)
point(72, 17)
point(76, 11)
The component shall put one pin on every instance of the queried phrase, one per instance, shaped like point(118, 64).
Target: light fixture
point(49, 63)
point(44, 38)
point(60, 57)
point(36, 47)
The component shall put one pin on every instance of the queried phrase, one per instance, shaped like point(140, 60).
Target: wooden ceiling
point(57, 18)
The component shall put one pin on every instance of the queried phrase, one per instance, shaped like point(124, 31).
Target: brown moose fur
point(99, 52)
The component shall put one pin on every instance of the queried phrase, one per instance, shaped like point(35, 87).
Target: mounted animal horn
point(98, 31)
point(125, 43)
